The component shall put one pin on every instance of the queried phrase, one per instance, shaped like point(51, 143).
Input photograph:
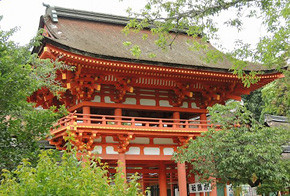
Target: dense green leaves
point(21, 126)
point(272, 99)
point(241, 151)
point(254, 103)
point(65, 176)
point(276, 96)
point(199, 18)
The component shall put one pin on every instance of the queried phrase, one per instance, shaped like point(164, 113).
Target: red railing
point(132, 122)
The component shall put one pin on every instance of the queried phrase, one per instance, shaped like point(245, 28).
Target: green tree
point(254, 103)
point(198, 19)
point(273, 99)
point(21, 126)
point(276, 97)
point(66, 177)
point(241, 151)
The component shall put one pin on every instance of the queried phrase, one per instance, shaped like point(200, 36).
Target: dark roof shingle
point(101, 35)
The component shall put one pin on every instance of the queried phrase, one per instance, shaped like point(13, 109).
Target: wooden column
point(203, 119)
point(176, 116)
point(190, 179)
point(143, 185)
point(225, 190)
point(203, 116)
point(182, 179)
point(122, 165)
point(87, 111)
point(171, 184)
point(213, 189)
point(145, 181)
point(118, 112)
point(162, 179)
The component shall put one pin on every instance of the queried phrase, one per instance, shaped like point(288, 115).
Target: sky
point(25, 14)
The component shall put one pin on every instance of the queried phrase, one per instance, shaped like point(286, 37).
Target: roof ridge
point(55, 11)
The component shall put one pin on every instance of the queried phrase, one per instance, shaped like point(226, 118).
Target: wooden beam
point(136, 107)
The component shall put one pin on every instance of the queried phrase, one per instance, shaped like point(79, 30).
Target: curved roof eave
point(133, 60)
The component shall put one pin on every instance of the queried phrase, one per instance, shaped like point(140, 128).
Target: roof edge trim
point(81, 52)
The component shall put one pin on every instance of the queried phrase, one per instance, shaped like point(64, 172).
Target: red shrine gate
point(136, 111)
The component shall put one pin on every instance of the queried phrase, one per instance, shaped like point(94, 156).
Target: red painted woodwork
point(162, 180)
point(171, 183)
point(182, 179)
point(137, 124)
point(128, 106)
point(124, 101)
point(121, 80)
point(214, 190)
point(122, 165)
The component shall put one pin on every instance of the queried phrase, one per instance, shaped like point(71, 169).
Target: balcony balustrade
point(131, 123)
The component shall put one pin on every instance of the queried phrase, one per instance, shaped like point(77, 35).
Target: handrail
point(148, 118)
point(128, 121)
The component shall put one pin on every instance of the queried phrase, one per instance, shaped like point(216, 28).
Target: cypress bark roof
point(100, 35)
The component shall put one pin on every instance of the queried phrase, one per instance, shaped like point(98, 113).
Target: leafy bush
point(65, 176)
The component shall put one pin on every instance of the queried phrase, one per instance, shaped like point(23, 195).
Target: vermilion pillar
point(143, 185)
point(176, 115)
point(203, 119)
point(162, 180)
point(171, 184)
point(191, 178)
point(118, 112)
point(122, 164)
point(87, 110)
point(182, 179)
point(213, 189)
point(203, 116)
point(145, 182)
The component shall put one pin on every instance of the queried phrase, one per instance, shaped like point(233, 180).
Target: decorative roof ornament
point(51, 12)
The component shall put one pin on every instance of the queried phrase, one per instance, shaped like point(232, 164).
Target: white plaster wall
point(97, 98)
point(193, 105)
point(168, 151)
point(108, 99)
point(97, 150)
point(133, 150)
point(147, 90)
point(163, 141)
point(150, 102)
point(140, 140)
point(130, 101)
point(184, 105)
point(98, 139)
point(164, 103)
point(109, 139)
point(110, 150)
point(151, 151)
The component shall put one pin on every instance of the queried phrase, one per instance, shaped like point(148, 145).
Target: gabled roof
point(276, 121)
point(100, 35)
point(282, 122)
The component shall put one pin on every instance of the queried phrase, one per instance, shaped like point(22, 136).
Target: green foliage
point(276, 96)
point(136, 51)
point(21, 126)
point(273, 99)
point(127, 43)
point(241, 151)
point(197, 19)
point(65, 176)
point(254, 103)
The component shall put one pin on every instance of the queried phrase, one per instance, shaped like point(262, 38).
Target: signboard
point(230, 191)
point(199, 188)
